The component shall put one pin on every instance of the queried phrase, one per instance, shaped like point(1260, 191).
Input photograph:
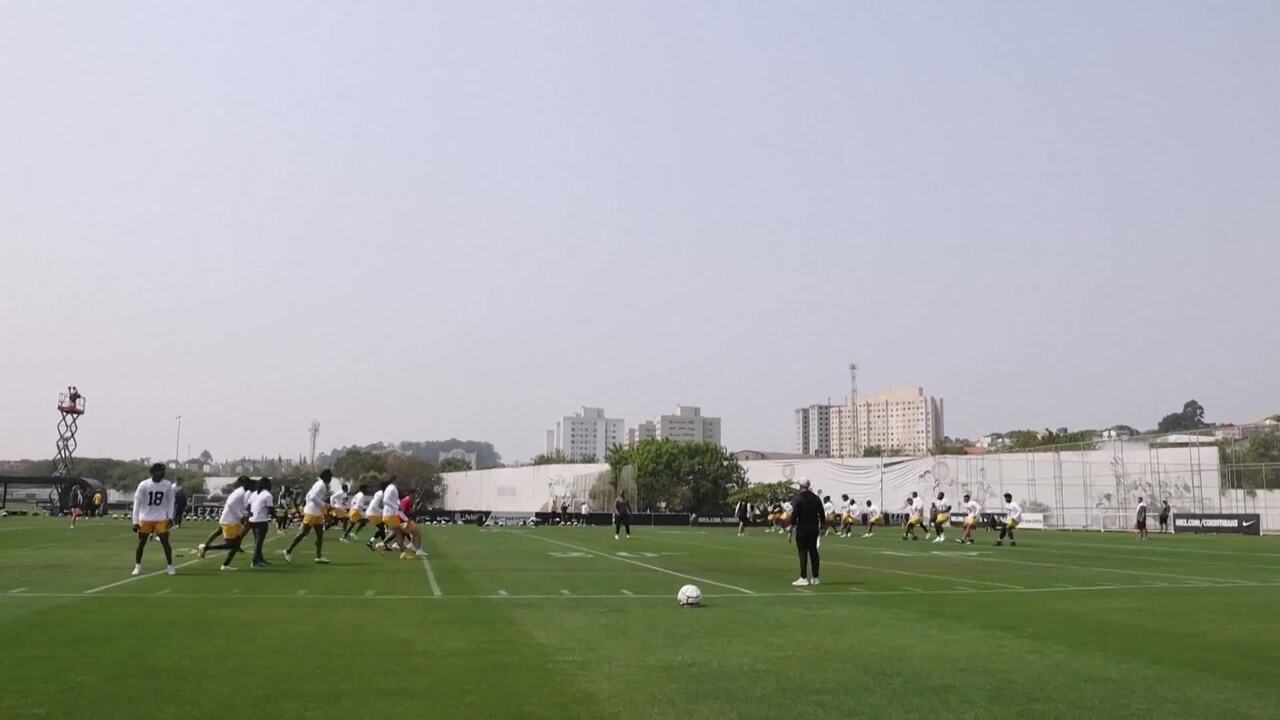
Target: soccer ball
point(689, 596)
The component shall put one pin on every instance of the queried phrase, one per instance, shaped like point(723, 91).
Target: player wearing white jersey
point(313, 515)
point(356, 518)
point(873, 518)
point(392, 518)
point(232, 524)
point(153, 513)
point(1012, 521)
point(829, 517)
point(373, 514)
point(261, 510)
point(941, 513)
point(339, 507)
point(915, 512)
point(973, 513)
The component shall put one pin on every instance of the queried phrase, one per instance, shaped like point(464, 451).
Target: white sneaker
point(227, 568)
point(343, 539)
point(137, 570)
point(322, 560)
point(815, 581)
point(615, 537)
point(422, 553)
point(200, 550)
point(170, 570)
point(801, 582)
point(287, 557)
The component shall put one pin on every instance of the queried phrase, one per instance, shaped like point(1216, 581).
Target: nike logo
point(1250, 523)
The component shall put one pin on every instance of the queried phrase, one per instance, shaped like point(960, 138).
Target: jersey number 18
point(155, 498)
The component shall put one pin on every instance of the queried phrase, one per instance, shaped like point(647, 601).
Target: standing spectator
point(1142, 519)
point(179, 506)
point(1164, 516)
point(621, 515)
point(807, 519)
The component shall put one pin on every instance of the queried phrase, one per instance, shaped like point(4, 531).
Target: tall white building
point(906, 420)
point(588, 434)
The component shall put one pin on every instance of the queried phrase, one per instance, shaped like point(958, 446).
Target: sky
point(426, 220)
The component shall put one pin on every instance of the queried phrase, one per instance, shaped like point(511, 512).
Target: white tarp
point(1070, 488)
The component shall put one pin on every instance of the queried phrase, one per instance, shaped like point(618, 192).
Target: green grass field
point(568, 622)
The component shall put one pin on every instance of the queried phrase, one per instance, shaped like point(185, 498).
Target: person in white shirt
point(355, 516)
point(1012, 521)
point(941, 517)
point(338, 509)
point(915, 510)
point(973, 513)
point(829, 515)
point(585, 509)
point(153, 513)
point(404, 531)
point(261, 511)
point(313, 515)
point(232, 524)
point(872, 516)
point(373, 514)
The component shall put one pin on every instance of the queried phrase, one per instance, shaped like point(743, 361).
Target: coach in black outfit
point(807, 519)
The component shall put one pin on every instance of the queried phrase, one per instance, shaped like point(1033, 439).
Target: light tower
point(313, 430)
point(855, 448)
point(71, 407)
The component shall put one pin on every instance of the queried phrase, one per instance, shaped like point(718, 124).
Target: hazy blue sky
point(422, 220)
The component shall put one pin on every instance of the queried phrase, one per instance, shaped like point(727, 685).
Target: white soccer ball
point(689, 596)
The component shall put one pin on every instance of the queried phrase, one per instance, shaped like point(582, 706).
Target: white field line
point(873, 568)
point(431, 577)
point(825, 591)
point(133, 578)
point(1187, 578)
point(655, 568)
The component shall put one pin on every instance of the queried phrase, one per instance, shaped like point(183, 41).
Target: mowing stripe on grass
point(655, 568)
point(825, 591)
point(1161, 548)
point(431, 577)
point(875, 568)
point(1102, 569)
point(15, 591)
point(1148, 557)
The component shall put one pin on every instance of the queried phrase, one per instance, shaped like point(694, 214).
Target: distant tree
point(764, 494)
point(877, 451)
point(206, 457)
point(415, 473)
point(684, 477)
point(454, 465)
point(1190, 418)
point(555, 457)
point(356, 462)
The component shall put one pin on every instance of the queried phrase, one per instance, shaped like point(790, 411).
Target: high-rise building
point(588, 434)
point(905, 420)
point(687, 425)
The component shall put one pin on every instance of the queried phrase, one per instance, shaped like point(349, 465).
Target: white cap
point(804, 483)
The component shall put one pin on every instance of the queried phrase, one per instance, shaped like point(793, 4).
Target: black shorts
point(1142, 524)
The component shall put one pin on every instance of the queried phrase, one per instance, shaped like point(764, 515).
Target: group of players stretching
point(852, 515)
point(251, 508)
